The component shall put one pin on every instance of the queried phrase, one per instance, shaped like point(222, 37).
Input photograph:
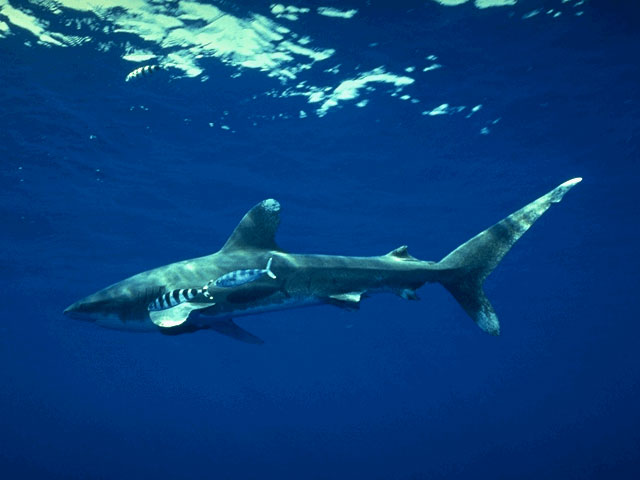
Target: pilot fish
point(140, 71)
point(240, 277)
point(176, 297)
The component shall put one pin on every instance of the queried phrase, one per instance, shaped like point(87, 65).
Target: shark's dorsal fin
point(401, 253)
point(257, 229)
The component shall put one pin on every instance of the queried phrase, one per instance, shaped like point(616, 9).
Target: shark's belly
point(113, 321)
point(213, 313)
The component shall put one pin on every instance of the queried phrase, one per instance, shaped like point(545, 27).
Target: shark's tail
point(469, 264)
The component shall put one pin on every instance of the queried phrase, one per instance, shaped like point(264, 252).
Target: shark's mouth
point(109, 307)
point(76, 315)
point(129, 317)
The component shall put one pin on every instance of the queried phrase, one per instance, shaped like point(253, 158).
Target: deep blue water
point(101, 179)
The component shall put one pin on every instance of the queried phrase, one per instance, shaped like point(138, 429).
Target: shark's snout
point(113, 307)
point(100, 303)
point(80, 310)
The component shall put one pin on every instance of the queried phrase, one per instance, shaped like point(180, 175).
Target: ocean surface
point(374, 124)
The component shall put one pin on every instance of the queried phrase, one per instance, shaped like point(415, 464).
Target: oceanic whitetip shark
point(184, 296)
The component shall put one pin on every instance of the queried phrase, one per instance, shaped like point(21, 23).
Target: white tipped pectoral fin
point(557, 193)
point(175, 316)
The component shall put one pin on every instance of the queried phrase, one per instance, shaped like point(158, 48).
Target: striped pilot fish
point(240, 277)
point(176, 297)
point(141, 71)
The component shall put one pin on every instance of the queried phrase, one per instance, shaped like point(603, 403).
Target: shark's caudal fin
point(469, 264)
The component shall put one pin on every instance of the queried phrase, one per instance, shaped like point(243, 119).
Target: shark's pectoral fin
point(230, 329)
point(349, 301)
point(174, 316)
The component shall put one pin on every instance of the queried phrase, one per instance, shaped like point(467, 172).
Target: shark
point(184, 297)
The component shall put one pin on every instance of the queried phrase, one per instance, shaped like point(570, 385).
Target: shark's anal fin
point(230, 329)
point(349, 300)
point(175, 316)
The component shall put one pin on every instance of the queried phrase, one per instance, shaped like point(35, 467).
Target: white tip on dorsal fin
point(257, 229)
point(401, 253)
point(268, 269)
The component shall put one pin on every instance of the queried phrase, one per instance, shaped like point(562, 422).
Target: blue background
point(397, 390)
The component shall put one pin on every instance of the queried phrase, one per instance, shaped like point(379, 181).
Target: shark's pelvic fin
point(175, 316)
point(349, 301)
point(465, 269)
point(257, 229)
point(230, 329)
